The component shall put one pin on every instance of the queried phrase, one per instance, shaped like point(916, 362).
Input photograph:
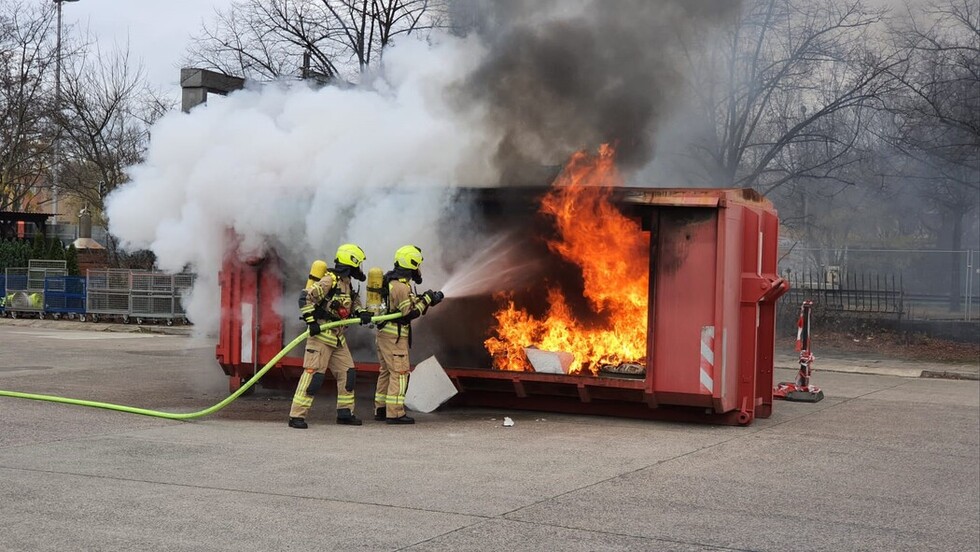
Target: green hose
point(200, 413)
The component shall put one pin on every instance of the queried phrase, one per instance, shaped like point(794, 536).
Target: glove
point(433, 298)
point(314, 327)
point(365, 317)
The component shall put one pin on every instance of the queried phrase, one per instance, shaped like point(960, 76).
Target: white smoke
point(289, 166)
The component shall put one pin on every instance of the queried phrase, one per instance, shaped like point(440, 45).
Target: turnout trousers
point(393, 375)
point(318, 359)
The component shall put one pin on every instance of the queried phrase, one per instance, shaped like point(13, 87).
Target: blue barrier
point(64, 294)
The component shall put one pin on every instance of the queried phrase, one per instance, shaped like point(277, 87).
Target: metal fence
point(866, 293)
point(935, 284)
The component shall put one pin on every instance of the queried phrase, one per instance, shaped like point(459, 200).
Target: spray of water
point(497, 265)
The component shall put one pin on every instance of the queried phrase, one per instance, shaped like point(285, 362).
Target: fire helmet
point(350, 255)
point(409, 257)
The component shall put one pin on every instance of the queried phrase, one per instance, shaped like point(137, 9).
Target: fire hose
point(207, 411)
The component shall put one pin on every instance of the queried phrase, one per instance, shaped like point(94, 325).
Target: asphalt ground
point(883, 463)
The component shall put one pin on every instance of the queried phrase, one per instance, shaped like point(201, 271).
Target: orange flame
point(613, 254)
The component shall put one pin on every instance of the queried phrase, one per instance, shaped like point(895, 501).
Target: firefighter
point(329, 299)
point(395, 337)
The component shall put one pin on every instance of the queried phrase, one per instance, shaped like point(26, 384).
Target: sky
point(158, 31)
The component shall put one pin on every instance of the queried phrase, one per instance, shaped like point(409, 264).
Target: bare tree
point(329, 39)
point(936, 118)
point(783, 92)
point(105, 120)
point(939, 112)
point(27, 59)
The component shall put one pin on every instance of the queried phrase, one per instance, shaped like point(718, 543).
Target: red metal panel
point(268, 321)
point(748, 314)
point(654, 278)
point(685, 294)
point(229, 342)
point(729, 331)
point(766, 339)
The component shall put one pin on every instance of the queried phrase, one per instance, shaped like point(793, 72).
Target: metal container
point(152, 296)
point(710, 319)
point(64, 295)
point(25, 287)
point(108, 293)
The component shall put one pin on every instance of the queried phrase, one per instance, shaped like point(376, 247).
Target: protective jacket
point(411, 306)
point(330, 299)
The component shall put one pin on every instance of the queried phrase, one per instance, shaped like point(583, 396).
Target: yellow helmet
point(408, 256)
point(350, 255)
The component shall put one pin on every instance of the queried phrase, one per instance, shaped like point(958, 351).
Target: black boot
point(400, 420)
point(346, 417)
point(298, 423)
point(379, 414)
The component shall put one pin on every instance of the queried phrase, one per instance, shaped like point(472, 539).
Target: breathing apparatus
point(375, 289)
point(317, 270)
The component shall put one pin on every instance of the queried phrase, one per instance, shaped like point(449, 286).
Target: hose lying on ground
point(200, 413)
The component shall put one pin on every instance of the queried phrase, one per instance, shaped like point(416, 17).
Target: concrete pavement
point(883, 463)
point(869, 364)
point(826, 361)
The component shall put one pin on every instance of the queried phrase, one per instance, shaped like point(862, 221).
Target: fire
point(613, 254)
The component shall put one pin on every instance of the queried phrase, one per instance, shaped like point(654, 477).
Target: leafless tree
point(783, 92)
point(105, 119)
point(939, 114)
point(327, 39)
point(27, 60)
point(936, 118)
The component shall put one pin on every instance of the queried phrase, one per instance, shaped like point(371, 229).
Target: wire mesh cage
point(23, 293)
point(46, 264)
point(183, 282)
point(152, 306)
point(109, 280)
point(108, 292)
point(153, 283)
point(64, 295)
point(138, 294)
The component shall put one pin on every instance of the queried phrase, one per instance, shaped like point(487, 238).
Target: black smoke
point(564, 75)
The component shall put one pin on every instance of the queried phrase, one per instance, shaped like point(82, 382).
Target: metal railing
point(938, 284)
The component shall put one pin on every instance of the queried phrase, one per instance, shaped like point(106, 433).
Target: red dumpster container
point(711, 313)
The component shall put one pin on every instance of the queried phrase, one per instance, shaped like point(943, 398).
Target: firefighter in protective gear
point(395, 337)
point(328, 299)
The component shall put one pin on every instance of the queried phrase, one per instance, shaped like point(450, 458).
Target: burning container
point(710, 283)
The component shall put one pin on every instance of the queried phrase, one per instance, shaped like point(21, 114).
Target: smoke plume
point(300, 170)
point(303, 170)
point(562, 76)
